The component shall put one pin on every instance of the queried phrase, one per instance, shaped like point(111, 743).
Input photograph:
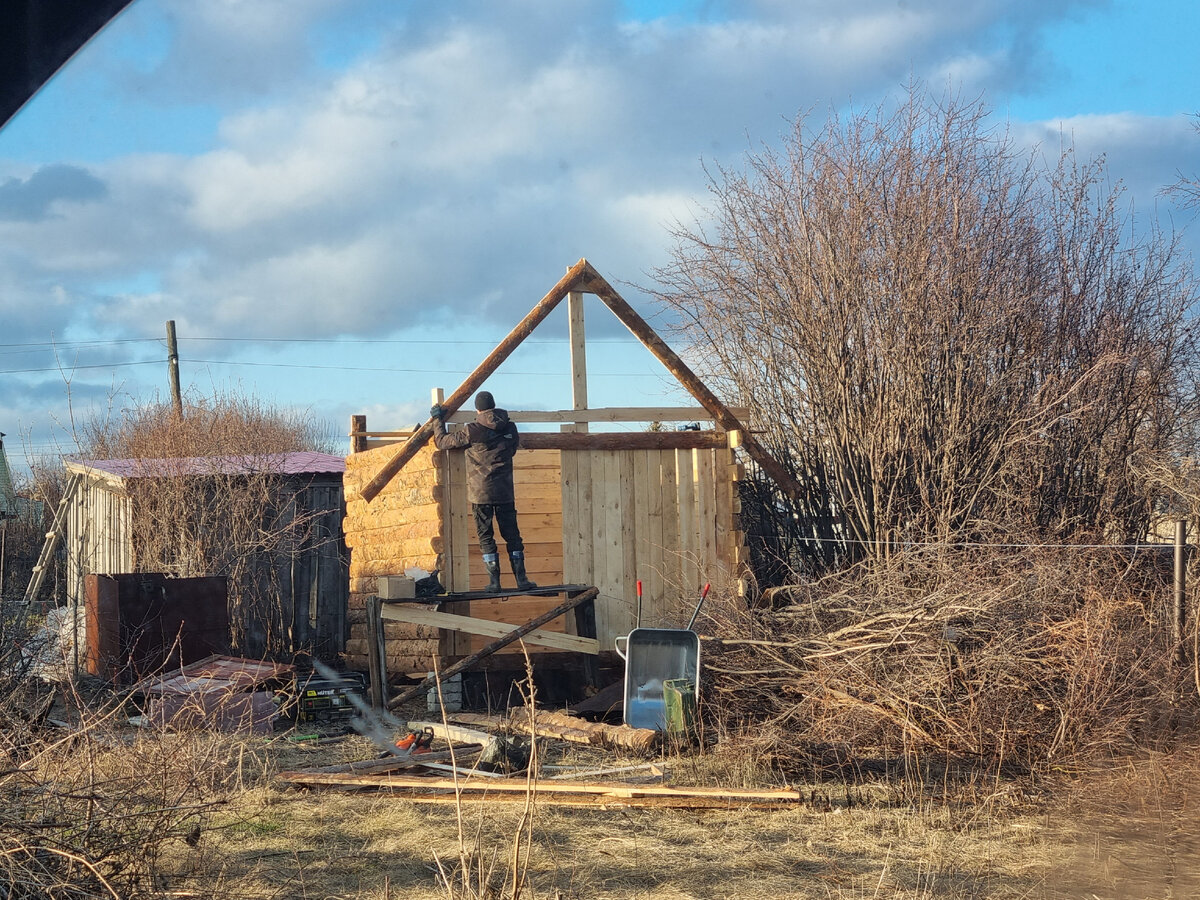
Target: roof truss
point(583, 278)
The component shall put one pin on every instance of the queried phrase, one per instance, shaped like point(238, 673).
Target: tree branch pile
point(1014, 660)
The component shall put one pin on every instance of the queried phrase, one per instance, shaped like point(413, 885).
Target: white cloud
point(477, 149)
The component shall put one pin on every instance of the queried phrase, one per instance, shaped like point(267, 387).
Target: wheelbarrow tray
point(654, 656)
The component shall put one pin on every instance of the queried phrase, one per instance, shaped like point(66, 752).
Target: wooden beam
point(476, 379)
point(622, 440)
point(358, 434)
point(579, 387)
point(380, 766)
point(376, 653)
point(592, 282)
point(417, 615)
point(599, 414)
point(500, 643)
point(565, 727)
point(733, 796)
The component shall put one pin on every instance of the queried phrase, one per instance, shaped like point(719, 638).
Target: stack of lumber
point(564, 727)
point(421, 789)
point(456, 774)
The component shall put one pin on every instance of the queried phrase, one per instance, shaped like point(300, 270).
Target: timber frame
point(581, 279)
point(609, 509)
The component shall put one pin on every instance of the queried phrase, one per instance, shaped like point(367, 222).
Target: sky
point(345, 203)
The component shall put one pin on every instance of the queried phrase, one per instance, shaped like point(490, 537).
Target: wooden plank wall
point(400, 529)
point(664, 516)
point(98, 537)
point(537, 481)
point(603, 518)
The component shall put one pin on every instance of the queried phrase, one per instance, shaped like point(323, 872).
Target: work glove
point(436, 412)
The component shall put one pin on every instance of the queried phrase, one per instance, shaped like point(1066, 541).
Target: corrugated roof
point(302, 462)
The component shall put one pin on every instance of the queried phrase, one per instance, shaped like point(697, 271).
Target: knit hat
point(484, 400)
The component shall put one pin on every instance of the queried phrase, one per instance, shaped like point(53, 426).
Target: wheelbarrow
point(653, 658)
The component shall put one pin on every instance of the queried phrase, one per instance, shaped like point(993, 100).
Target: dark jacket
point(491, 440)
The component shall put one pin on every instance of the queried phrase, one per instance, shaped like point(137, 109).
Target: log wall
point(399, 530)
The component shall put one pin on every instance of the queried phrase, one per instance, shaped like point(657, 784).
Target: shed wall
point(603, 518)
point(98, 536)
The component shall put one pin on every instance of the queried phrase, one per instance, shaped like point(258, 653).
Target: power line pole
point(173, 367)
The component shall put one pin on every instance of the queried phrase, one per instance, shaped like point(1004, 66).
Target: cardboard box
point(395, 587)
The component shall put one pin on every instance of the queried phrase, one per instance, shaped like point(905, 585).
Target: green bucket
point(679, 706)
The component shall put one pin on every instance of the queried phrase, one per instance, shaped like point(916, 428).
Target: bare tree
point(1187, 187)
point(946, 338)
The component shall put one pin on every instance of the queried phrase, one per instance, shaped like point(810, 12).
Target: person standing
point(490, 442)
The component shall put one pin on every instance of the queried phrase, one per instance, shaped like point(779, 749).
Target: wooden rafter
point(593, 283)
point(583, 278)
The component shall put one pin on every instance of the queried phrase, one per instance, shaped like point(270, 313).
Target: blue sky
point(344, 203)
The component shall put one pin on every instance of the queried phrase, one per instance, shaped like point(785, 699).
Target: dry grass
point(366, 845)
point(157, 814)
point(108, 810)
point(1128, 828)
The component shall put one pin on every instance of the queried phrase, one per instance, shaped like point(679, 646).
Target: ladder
point(52, 538)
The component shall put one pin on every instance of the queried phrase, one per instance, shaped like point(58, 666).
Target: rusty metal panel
point(152, 621)
point(216, 674)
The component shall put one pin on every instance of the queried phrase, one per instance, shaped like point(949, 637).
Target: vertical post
point(173, 367)
point(579, 394)
point(376, 653)
point(585, 626)
point(358, 434)
point(437, 396)
point(1180, 581)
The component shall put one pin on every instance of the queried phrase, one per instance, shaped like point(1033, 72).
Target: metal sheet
point(217, 675)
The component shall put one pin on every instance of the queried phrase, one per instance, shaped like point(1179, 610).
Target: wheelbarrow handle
point(695, 613)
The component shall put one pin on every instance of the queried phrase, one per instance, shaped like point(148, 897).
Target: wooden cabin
point(293, 588)
point(604, 508)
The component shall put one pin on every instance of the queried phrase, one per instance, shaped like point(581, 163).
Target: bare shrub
point(94, 811)
point(1009, 660)
point(945, 338)
point(225, 424)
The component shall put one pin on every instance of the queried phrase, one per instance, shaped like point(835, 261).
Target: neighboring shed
point(288, 581)
point(8, 495)
point(595, 508)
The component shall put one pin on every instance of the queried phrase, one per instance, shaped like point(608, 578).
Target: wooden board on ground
point(553, 791)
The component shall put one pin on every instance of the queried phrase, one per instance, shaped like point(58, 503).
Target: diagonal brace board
point(567, 605)
point(592, 282)
point(416, 615)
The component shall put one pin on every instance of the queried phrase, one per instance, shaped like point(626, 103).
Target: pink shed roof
point(301, 462)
